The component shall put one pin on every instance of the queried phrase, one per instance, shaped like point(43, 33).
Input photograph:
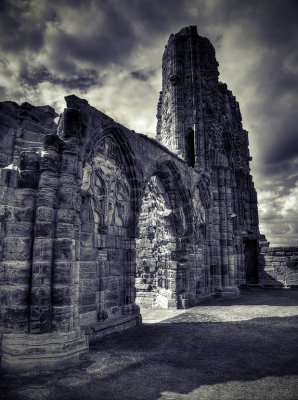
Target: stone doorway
point(155, 249)
point(251, 260)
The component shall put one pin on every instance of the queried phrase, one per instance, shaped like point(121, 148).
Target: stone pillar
point(232, 257)
point(227, 248)
point(65, 265)
point(54, 339)
point(43, 247)
point(16, 221)
point(223, 226)
point(222, 253)
point(215, 250)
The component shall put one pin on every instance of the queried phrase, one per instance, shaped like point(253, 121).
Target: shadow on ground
point(251, 359)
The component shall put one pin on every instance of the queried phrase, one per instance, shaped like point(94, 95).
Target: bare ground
point(228, 349)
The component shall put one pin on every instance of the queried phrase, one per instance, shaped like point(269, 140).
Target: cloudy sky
point(109, 52)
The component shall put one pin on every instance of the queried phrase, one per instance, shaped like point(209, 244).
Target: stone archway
point(107, 250)
point(161, 259)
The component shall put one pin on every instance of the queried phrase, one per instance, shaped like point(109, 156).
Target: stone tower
point(189, 66)
point(199, 119)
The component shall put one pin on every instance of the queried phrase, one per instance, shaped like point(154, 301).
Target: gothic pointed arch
point(112, 156)
point(179, 197)
point(165, 223)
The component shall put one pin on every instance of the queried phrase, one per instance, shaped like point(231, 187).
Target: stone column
point(215, 250)
point(41, 277)
point(55, 339)
point(16, 222)
point(223, 226)
point(65, 263)
point(227, 248)
point(222, 253)
point(230, 228)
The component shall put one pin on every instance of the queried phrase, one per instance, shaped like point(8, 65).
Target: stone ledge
point(102, 329)
point(46, 351)
point(231, 291)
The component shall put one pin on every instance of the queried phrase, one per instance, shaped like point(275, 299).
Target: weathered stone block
point(116, 269)
point(62, 318)
point(15, 248)
point(49, 179)
point(29, 160)
point(49, 160)
point(16, 317)
point(44, 213)
point(87, 239)
point(42, 249)
point(87, 299)
point(69, 163)
point(43, 229)
point(65, 215)
point(41, 274)
point(62, 295)
point(41, 296)
point(28, 179)
point(12, 272)
point(24, 214)
point(62, 273)
point(9, 178)
point(40, 314)
point(87, 227)
point(22, 229)
point(88, 254)
point(47, 197)
point(64, 250)
point(24, 198)
point(16, 295)
point(88, 285)
point(64, 230)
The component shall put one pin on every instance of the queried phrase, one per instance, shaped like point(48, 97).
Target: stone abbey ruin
point(98, 221)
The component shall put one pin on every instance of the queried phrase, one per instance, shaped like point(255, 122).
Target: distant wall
point(279, 266)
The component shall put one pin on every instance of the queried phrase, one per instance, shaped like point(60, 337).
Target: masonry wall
point(279, 266)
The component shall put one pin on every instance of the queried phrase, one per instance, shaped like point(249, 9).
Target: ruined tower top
point(189, 68)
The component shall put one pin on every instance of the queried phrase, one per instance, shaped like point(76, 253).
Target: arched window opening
point(190, 147)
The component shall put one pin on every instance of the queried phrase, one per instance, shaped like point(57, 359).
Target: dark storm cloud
point(158, 17)
point(111, 40)
point(83, 81)
point(142, 75)
point(285, 144)
point(111, 50)
point(21, 27)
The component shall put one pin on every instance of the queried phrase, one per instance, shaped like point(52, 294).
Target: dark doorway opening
point(251, 260)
